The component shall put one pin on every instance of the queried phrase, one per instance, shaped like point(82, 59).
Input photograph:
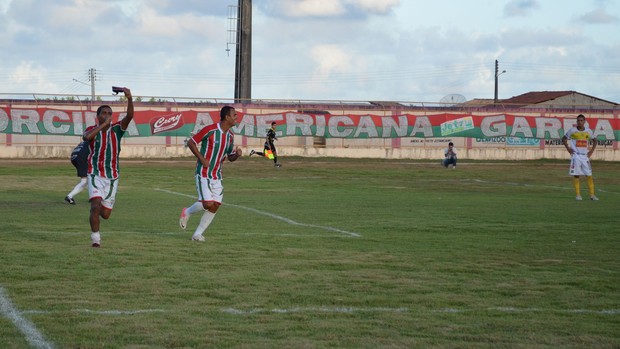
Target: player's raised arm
point(127, 119)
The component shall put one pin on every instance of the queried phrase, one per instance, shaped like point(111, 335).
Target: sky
point(352, 50)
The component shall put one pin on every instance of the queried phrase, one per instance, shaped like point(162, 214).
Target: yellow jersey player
point(577, 141)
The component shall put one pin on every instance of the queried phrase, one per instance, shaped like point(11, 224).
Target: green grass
point(491, 255)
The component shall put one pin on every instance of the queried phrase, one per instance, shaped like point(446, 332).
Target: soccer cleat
point(252, 152)
point(184, 218)
point(96, 244)
point(69, 200)
point(593, 198)
point(198, 238)
point(277, 165)
point(578, 198)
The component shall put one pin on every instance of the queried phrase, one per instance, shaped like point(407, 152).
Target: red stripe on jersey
point(114, 160)
point(102, 153)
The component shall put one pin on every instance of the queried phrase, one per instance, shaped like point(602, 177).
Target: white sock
point(205, 221)
point(78, 188)
point(95, 237)
point(196, 207)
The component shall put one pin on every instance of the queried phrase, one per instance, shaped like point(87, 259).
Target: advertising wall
point(379, 132)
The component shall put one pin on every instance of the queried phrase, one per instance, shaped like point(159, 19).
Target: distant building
point(547, 100)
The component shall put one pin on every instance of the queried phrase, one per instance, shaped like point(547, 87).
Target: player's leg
point(95, 193)
point(82, 184)
point(206, 219)
point(82, 171)
point(275, 154)
point(211, 196)
point(102, 193)
point(95, 210)
point(196, 207)
point(186, 212)
point(587, 170)
point(108, 201)
point(577, 186)
point(590, 182)
point(575, 171)
point(261, 153)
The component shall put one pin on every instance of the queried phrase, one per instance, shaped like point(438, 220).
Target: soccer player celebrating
point(104, 142)
point(216, 144)
point(577, 140)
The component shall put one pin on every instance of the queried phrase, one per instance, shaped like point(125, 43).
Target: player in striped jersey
point(104, 142)
point(216, 144)
point(577, 140)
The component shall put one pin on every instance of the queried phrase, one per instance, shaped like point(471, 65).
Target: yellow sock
point(590, 182)
point(576, 184)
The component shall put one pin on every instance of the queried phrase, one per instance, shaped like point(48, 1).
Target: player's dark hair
point(102, 107)
point(450, 143)
point(225, 111)
point(580, 116)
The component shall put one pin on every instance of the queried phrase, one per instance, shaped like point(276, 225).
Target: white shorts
point(209, 189)
point(580, 165)
point(104, 188)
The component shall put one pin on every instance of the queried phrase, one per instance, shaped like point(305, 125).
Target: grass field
point(322, 253)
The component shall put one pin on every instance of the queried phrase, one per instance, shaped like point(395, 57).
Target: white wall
point(429, 153)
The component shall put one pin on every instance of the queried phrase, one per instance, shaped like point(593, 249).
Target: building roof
point(478, 102)
point(537, 97)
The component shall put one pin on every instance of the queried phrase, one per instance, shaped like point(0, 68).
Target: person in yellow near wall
point(577, 141)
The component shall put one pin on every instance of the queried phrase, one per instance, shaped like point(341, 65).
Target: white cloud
point(330, 59)
point(31, 78)
point(598, 16)
point(331, 8)
point(306, 8)
point(516, 8)
point(374, 6)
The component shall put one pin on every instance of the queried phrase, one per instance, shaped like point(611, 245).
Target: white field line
point(87, 232)
point(284, 219)
point(294, 235)
point(532, 185)
point(123, 232)
point(33, 336)
point(349, 310)
point(343, 310)
point(97, 312)
point(336, 310)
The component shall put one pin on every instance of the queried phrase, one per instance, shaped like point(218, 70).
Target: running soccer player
point(269, 146)
point(216, 144)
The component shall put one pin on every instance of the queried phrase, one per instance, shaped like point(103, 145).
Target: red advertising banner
point(43, 121)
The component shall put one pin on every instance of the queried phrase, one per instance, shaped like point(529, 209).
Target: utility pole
point(497, 74)
point(243, 65)
point(92, 76)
